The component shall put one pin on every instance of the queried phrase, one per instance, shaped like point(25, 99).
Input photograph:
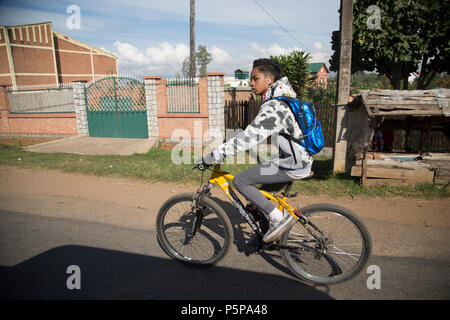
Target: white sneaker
point(278, 228)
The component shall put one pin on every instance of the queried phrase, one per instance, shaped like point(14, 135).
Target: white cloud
point(129, 54)
point(165, 59)
point(166, 53)
point(274, 50)
point(318, 45)
point(162, 59)
point(320, 56)
point(219, 55)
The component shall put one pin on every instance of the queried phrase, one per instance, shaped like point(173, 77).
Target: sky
point(151, 37)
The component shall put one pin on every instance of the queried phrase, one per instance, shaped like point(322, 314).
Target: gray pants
point(244, 183)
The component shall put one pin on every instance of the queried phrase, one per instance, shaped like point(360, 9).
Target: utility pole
point(192, 69)
point(343, 85)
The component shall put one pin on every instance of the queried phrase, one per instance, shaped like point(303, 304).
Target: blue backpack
point(305, 114)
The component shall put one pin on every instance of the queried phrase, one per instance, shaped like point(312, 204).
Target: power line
point(283, 28)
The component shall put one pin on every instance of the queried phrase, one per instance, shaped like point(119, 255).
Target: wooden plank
point(396, 164)
point(416, 101)
point(375, 181)
point(364, 172)
point(404, 93)
point(406, 107)
point(356, 171)
point(392, 106)
point(407, 112)
point(442, 180)
point(391, 173)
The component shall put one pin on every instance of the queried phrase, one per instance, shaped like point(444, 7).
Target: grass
point(156, 165)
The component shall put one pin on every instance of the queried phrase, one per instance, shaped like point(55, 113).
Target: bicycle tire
point(301, 261)
point(180, 249)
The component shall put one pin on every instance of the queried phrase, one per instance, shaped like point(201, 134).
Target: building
point(241, 74)
point(240, 79)
point(319, 73)
point(35, 54)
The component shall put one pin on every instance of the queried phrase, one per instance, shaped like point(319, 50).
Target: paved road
point(127, 263)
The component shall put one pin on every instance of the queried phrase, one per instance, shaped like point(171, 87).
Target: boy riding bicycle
point(274, 119)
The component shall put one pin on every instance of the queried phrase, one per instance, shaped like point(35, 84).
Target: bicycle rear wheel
point(197, 237)
point(338, 251)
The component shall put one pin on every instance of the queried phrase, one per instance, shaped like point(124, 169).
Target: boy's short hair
point(268, 66)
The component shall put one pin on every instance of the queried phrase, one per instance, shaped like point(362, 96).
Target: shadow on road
point(109, 274)
point(242, 235)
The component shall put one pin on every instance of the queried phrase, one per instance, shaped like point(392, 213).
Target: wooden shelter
point(423, 110)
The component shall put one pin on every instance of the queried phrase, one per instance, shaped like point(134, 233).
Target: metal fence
point(182, 95)
point(326, 113)
point(239, 114)
point(52, 98)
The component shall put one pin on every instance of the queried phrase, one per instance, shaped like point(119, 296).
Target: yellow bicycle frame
point(220, 177)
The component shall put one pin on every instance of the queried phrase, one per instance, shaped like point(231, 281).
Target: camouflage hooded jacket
point(274, 118)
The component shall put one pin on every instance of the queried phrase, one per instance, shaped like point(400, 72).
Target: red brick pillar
point(5, 109)
point(203, 95)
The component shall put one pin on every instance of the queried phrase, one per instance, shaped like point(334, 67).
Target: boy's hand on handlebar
point(201, 164)
point(207, 160)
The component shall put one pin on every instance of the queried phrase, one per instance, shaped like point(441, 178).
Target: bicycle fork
point(198, 211)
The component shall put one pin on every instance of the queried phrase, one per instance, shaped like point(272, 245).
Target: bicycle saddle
point(275, 187)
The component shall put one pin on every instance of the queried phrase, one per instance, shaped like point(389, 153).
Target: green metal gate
point(116, 108)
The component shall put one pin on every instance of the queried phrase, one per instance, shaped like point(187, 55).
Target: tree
point(395, 36)
point(436, 29)
point(192, 69)
point(359, 61)
point(295, 66)
point(186, 68)
point(203, 57)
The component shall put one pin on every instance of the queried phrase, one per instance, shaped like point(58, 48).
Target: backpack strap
point(285, 100)
point(291, 138)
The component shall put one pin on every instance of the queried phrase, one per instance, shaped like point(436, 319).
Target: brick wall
point(4, 111)
point(174, 126)
point(43, 124)
point(161, 123)
point(35, 54)
point(34, 124)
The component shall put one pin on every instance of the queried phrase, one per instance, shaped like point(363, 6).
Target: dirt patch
point(399, 226)
point(24, 141)
point(408, 211)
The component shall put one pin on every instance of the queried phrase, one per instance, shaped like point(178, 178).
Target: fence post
point(5, 109)
point(79, 100)
point(152, 105)
point(216, 105)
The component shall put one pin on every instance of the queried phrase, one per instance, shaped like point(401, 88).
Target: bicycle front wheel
point(197, 237)
point(335, 249)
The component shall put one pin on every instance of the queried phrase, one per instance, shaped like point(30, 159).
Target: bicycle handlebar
point(204, 166)
point(201, 167)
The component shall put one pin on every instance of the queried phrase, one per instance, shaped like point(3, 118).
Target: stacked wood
point(391, 168)
point(442, 167)
point(379, 167)
point(405, 102)
point(377, 175)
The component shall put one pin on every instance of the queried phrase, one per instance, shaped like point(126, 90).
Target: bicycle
point(327, 244)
